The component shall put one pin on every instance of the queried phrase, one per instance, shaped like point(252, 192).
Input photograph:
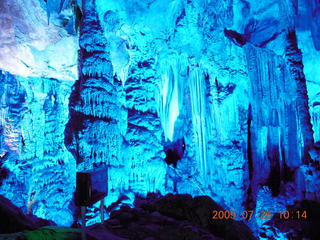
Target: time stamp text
point(247, 215)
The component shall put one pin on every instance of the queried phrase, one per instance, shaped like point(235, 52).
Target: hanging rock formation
point(236, 80)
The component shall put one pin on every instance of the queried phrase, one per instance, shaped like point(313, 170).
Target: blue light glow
point(110, 83)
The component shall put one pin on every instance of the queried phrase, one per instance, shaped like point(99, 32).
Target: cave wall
point(34, 112)
point(235, 79)
point(32, 39)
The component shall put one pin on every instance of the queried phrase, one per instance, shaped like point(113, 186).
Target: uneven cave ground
point(156, 217)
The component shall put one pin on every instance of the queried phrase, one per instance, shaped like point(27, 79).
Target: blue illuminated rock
point(118, 83)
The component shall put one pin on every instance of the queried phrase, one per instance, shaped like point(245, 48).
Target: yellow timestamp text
point(265, 214)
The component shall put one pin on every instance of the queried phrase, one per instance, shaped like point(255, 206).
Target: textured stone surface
point(13, 220)
point(34, 112)
point(175, 217)
point(30, 45)
point(294, 227)
point(237, 80)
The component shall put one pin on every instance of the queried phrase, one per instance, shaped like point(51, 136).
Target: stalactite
point(249, 145)
point(294, 60)
point(274, 129)
point(315, 116)
point(198, 104)
point(173, 73)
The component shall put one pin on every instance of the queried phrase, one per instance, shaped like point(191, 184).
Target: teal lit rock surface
point(199, 97)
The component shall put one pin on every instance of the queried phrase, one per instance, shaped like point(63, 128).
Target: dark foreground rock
point(12, 219)
point(170, 217)
point(295, 227)
point(61, 233)
point(175, 217)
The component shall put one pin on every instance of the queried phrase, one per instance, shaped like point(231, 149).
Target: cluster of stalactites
point(197, 88)
point(91, 33)
point(100, 145)
point(181, 80)
point(174, 71)
point(12, 104)
point(98, 101)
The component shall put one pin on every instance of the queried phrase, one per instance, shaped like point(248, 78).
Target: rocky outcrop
point(154, 217)
point(13, 220)
point(175, 217)
point(300, 222)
